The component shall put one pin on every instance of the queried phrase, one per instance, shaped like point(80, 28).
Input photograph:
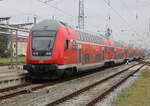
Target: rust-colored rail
point(25, 91)
point(14, 87)
point(106, 92)
point(7, 64)
point(76, 93)
point(145, 62)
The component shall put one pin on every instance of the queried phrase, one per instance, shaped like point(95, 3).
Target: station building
point(22, 45)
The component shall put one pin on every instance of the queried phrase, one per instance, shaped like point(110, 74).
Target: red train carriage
point(90, 51)
point(126, 51)
point(54, 49)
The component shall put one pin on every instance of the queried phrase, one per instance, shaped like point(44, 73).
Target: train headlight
point(35, 53)
point(48, 53)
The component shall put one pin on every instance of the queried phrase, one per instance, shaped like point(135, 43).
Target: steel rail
point(109, 90)
point(24, 91)
point(14, 87)
point(76, 93)
point(20, 63)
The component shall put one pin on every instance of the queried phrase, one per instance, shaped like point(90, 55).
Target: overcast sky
point(123, 15)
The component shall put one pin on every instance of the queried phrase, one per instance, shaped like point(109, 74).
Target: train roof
point(49, 25)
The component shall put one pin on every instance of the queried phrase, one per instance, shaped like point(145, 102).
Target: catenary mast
point(81, 15)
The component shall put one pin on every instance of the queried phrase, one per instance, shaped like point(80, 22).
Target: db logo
point(41, 61)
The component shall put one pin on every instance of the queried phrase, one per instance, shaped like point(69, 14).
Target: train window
point(90, 38)
point(94, 39)
point(97, 39)
point(82, 36)
point(79, 36)
point(119, 56)
point(106, 49)
point(113, 50)
point(66, 45)
point(44, 33)
point(86, 58)
point(86, 37)
point(99, 57)
point(74, 45)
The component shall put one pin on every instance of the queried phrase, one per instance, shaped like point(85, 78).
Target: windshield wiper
point(49, 44)
point(33, 49)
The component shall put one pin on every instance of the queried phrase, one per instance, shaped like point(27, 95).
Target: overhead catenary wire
point(60, 10)
point(116, 12)
point(48, 1)
point(120, 17)
point(126, 6)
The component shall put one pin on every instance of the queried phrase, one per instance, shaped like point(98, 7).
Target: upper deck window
point(44, 33)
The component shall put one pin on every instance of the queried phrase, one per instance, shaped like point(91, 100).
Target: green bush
point(4, 52)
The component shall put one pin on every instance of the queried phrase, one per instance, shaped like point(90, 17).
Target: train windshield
point(43, 41)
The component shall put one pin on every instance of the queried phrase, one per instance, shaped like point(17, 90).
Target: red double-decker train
point(54, 49)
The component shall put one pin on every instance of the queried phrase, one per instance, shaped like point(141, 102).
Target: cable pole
point(149, 24)
point(108, 27)
point(81, 15)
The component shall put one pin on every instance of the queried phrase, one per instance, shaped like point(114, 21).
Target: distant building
point(22, 45)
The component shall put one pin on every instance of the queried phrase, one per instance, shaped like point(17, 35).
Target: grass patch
point(7, 60)
point(138, 94)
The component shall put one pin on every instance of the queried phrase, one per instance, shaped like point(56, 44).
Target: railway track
point(31, 87)
point(14, 87)
point(74, 95)
point(145, 62)
point(26, 89)
point(1, 64)
point(7, 64)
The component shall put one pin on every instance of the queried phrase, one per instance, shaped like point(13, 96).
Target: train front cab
point(50, 49)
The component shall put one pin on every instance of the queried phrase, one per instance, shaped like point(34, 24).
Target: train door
point(102, 54)
point(112, 54)
point(126, 53)
point(79, 54)
point(109, 53)
point(106, 53)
